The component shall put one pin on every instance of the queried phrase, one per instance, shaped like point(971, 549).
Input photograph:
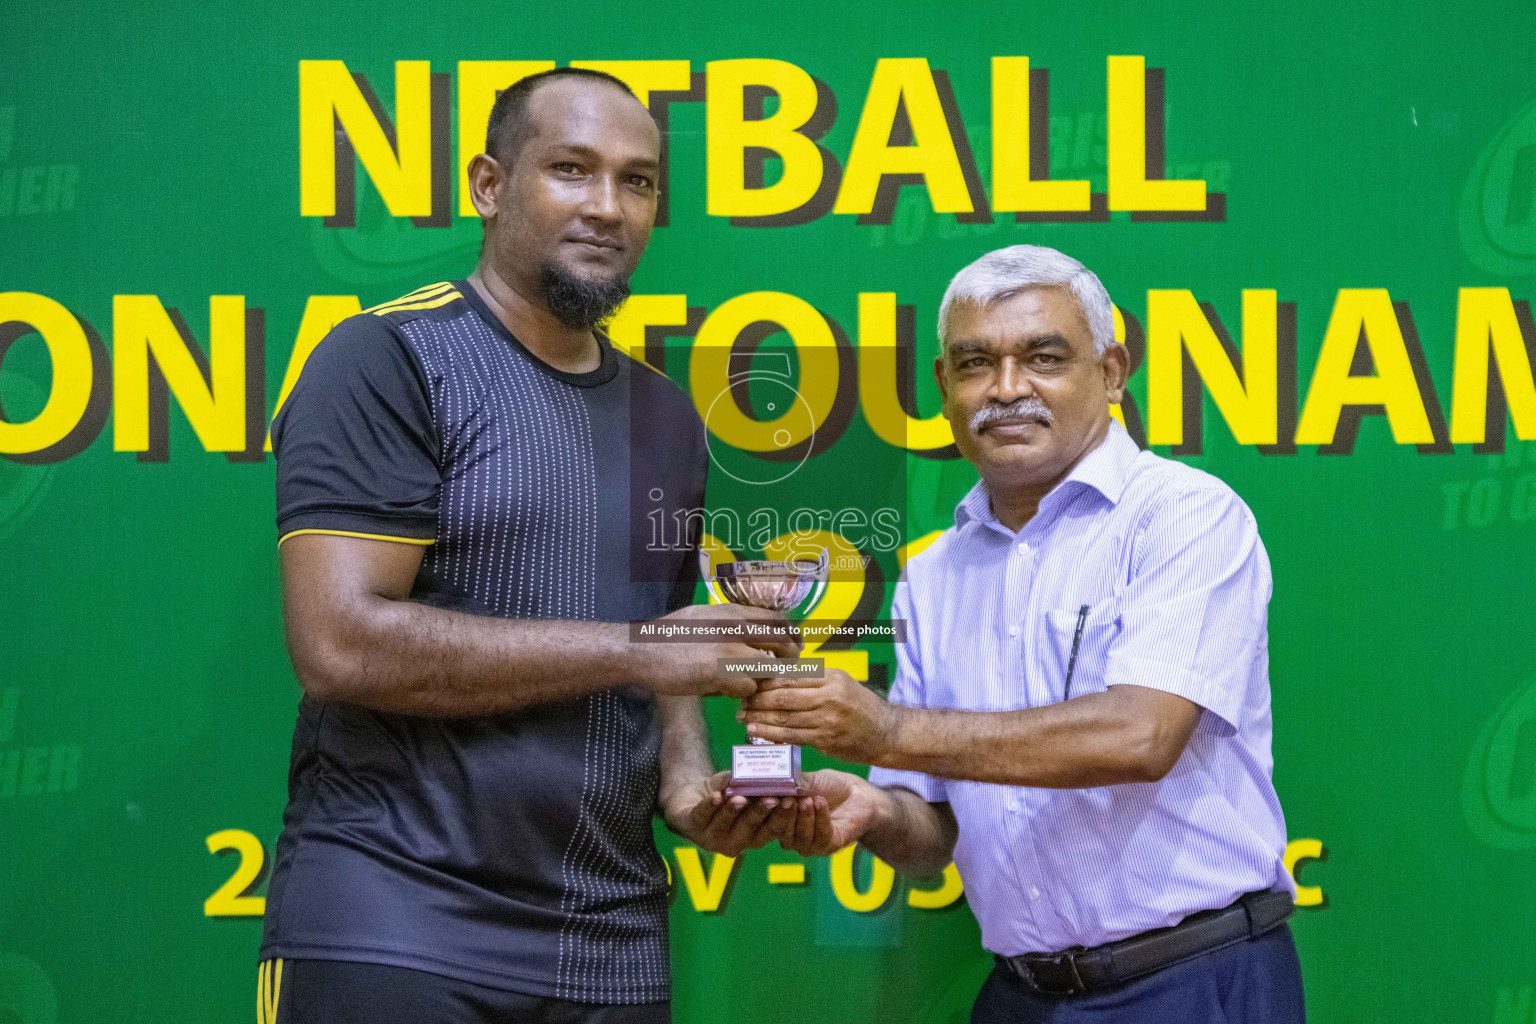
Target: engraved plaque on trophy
point(760, 767)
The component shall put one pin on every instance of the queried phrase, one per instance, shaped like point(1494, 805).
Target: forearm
point(685, 760)
point(909, 833)
point(1095, 740)
point(408, 658)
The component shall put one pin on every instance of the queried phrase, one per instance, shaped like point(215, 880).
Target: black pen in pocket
point(1077, 638)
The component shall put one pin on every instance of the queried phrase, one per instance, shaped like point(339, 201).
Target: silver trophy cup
point(761, 768)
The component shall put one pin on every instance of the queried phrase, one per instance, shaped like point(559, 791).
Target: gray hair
point(1002, 273)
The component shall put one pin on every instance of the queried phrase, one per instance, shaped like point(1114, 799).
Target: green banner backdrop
point(1345, 192)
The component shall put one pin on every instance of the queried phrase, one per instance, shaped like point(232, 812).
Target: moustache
point(1016, 411)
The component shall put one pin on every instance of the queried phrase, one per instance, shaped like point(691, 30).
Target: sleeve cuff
point(402, 529)
point(1214, 695)
point(925, 786)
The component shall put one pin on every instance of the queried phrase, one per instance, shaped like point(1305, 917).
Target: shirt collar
point(1104, 469)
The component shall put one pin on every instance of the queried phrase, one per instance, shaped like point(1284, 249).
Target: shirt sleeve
point(1194, 617)
point(356, 445)
point(908, 690)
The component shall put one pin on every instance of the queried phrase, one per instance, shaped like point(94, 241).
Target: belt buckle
point(1066, 957)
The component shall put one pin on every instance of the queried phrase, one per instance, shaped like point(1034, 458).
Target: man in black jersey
point(479, 749)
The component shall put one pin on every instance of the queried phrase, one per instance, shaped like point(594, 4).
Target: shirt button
point(1034, 893)
point(1013, 630)
point(1023, 548)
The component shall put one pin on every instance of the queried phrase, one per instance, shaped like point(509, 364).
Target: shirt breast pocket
point(1059, 633)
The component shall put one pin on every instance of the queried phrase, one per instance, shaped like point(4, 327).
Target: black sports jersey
point(513, 851)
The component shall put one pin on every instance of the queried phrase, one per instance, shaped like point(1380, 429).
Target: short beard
point(577, 302)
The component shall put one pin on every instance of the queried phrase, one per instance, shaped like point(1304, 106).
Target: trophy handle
point(706, 570)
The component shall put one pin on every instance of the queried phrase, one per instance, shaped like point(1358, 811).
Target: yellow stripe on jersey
point(362, 536)
point(435, 286)
point(441, 300)
point(420, 293)
point(415, 296)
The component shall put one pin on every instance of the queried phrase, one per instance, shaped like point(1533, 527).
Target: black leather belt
point(1078, 970)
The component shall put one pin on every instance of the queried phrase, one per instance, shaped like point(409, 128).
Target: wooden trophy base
point(763, 787)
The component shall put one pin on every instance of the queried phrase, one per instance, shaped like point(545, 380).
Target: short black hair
point(507, 129)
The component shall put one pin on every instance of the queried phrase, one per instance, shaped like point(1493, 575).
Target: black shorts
point(339, 992)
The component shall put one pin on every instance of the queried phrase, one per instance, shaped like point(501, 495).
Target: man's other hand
point(834, 809)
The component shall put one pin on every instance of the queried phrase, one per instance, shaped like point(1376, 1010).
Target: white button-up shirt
point(1168, 561)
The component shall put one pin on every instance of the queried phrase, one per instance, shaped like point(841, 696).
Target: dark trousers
point(1257, 981)
point(338, 992)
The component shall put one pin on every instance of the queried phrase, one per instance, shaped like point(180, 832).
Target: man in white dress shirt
point(1081, 715)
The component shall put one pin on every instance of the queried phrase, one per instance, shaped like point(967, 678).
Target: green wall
point(146, 701)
